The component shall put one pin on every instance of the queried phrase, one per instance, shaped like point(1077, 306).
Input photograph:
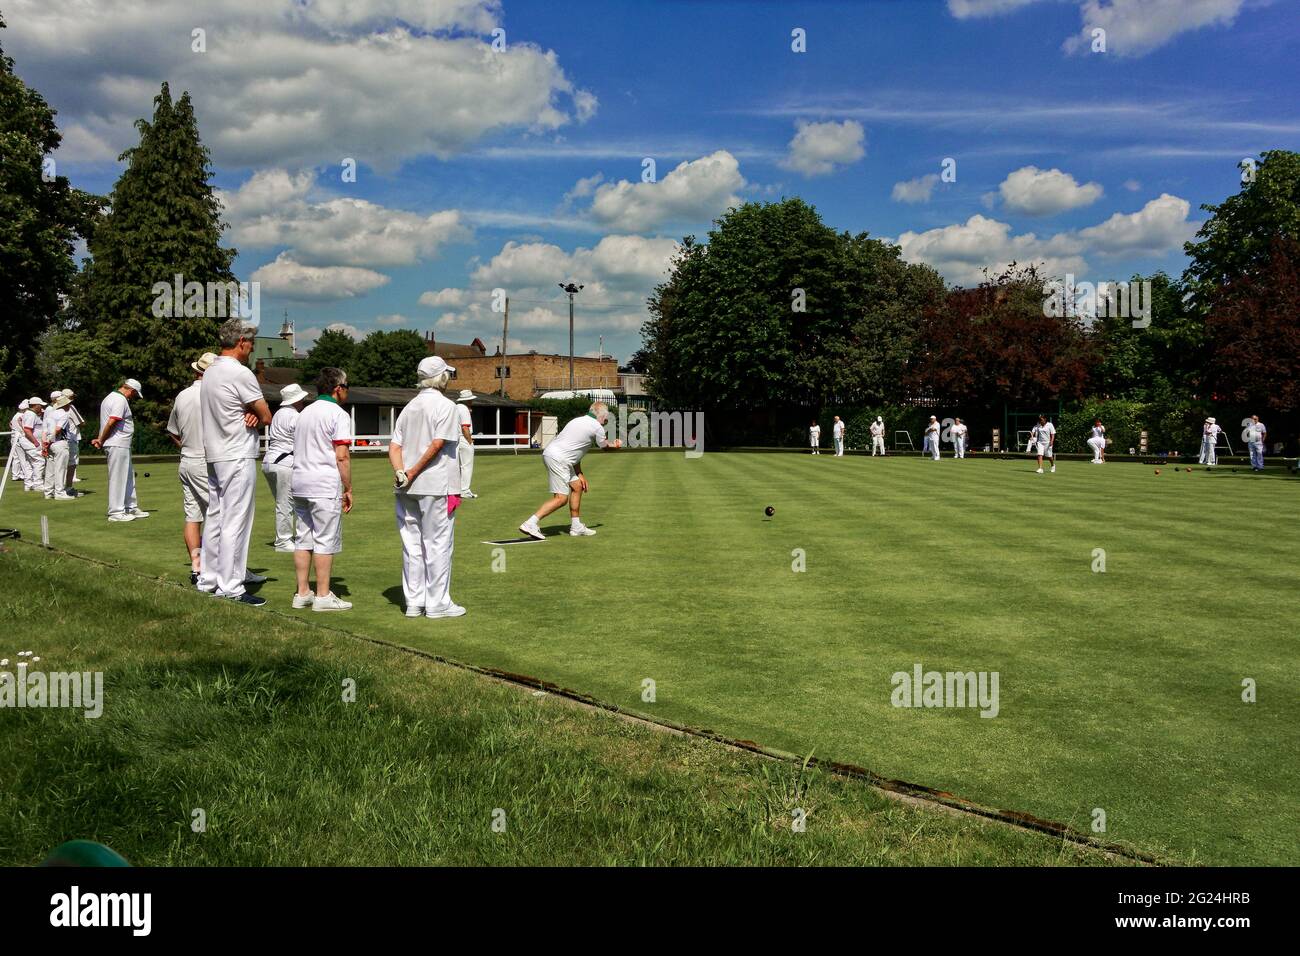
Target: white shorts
point(562, 473)
point(194, 489)
point(320, 525)
point(1045, 450)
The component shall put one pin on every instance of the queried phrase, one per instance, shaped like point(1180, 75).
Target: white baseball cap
point(36, 400)
point(55, 395)
point(292, 394)
point(133, 384)
point(433, 365)
point(24, 405)
point(465, 395)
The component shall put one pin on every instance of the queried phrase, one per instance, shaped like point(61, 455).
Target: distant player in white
point(19, 460)
point(232, 409)
point(75, 421)
point(56, 448)
point(1097, 442)
point(465, 448)
point(322, 489)
point(1256, 435)
point(815, 438)
point(563, 459)
point(1043, 440)
point(1209, 443)
point(959, 432)
point(30, 429)
point(423, 451)
point(932, 437)
point(878, 437)
point(837, 436)
point(185, 426)
point(277, 463)
point(116, 427)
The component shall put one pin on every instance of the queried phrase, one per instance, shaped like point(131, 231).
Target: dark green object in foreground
point(83, 853)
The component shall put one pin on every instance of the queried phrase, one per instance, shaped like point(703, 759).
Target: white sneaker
point(1039, 472)
point(125, 516)
point(449, 610)
point(303, 600)
point(137, 513)
point(1053, 469)
point(580, 531)
point(531, 529)
point(468, 494)
point(65, 497)
point(330, 603)
point(414, 611)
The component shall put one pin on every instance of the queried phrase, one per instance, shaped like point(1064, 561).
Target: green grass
point(1119, 691)
point(243, 717)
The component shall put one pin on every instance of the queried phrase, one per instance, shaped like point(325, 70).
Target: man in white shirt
point(322, 489)
point(277, 463)
point(30, 429)
point(75, 421)
point(116, 427)
point(932, 437)
point(231, 409)
point(423, 451)
point(1209, 443)
point(55, 430)
point(837, 436)
point(1044, 441)
point(563, 460)
point(1256, 435)
point(878, 437)
point(185, 427)
point(20, 461)
point(465, 448)
point(959, 431)
point(1097, 442)
point(815, 438)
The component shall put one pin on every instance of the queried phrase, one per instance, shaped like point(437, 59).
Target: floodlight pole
point(572, 290)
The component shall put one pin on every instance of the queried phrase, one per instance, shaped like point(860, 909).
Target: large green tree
point(333, 348)
point(388, 359)
point(41, 216)
point(164, 222)
point(1166, 356)
point(780, 309)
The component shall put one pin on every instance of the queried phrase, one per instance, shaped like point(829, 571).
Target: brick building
point(527, 375)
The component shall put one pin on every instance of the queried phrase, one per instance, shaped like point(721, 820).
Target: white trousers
point(959, 447)
point(20, 463)
point(56, 469)
point(934, 448)
point(280, 477)
point(121, 480)
point(877, 445)
point(1096, 444)
point(428, 538)
point(231, 487)
point(1208, 456)
point(465, 455)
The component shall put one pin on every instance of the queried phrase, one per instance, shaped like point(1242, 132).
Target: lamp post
point(572, 290)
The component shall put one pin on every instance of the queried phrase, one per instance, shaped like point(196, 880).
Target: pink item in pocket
point(453, 502)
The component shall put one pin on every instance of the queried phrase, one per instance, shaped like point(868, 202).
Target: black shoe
point(252, 600)
point(194, 578)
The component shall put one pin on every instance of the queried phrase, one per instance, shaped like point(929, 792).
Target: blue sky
point(482, 169)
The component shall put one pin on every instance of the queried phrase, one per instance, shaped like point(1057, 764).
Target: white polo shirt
point(279, 437)
point(464, 418)
point(429, 416)
point(54, 425)
point(1255, 432)
point(186, 422)
point(959, 430)
point(228, 389)
point(115, 405)
point(575, 440)
point(838, 429)
point(30, 420)
point(321, 427)
point(1046, 433)
point(877, 429)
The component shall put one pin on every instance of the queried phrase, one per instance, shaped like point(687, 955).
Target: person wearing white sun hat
point(1209, 443)
point(465, 448)
point(56, 448)
point(116, 427)
point(185, 426)
point(277, 463)
point(75, 421)
point(32, 445)
point(20, 463)
point(878, 437)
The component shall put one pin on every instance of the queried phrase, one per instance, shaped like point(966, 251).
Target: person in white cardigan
point(277, 463)
point(465, 447)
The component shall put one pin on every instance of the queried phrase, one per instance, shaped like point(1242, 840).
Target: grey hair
point(598, 407)
point(438, 381)
point(234, 331)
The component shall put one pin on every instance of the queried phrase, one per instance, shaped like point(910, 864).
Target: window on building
point(503, 371)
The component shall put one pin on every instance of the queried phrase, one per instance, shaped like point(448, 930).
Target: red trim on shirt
point(346, 441)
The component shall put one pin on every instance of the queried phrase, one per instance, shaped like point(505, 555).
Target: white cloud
point(444, 298)
point(306, 338)
point(287, 83)
point(694, 191)
point(1135, 27)
point(817, 148)
point(1132, 185)
point(273, 209)
point(389, 320)
point(965, 9)
point(1043, 192)
point(962, 251)
point(915, 190)
point(293, 280)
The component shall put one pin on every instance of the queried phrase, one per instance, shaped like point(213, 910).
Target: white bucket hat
point(1209, 421)
point(62, 401)
point(465, 395)
point(291, 394)
point(204, 362)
